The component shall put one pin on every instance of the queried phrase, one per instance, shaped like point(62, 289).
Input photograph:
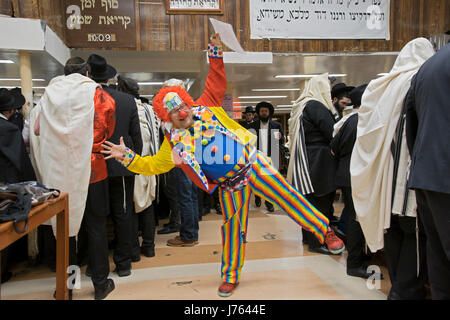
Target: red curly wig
point(158, 101)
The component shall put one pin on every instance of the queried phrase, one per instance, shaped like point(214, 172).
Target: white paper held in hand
point(227, 35)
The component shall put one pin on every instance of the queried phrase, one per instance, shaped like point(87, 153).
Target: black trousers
point(355, 236)
point(95, 225)
point(433, 208)
point(121, 204)
point(325, 205)
point(146, 222)
point(400, 247)
point(171, 192)
point(47, 247)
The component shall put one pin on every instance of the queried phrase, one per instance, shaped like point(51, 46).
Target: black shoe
point(218, 209)
point(361, 272)
point(148, 251)
point(70, 294)
point(136, 258)
point(101, 294)
point(205, 211)
point(321, 250)
point(6, 276)
point(394, 296)
point(258, 202)
point(270, 207)
point(168, 229)
point(123, 272)
point(88, 272)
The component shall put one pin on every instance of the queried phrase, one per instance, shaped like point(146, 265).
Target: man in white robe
point(61, 138)
point(372, 162)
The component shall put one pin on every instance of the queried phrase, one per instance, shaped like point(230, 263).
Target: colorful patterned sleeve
point(215, 51)
point(160, 163)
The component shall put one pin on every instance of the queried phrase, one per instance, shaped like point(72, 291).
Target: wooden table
point(38, 215)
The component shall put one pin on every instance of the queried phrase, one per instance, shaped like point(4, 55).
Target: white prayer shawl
point(372, 163)
point(61, 155)
point(317, 88)
point(145, 186)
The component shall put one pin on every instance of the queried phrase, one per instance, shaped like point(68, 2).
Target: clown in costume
point(215, 151)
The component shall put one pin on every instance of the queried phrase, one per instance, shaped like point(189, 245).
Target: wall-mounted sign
point(319, 19)
point(100, 23)
point(194, 7)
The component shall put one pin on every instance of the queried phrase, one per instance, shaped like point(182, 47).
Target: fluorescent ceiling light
point(16, 79)
point(12, 87)
point(307, 76)
point(150, 83)
point(262, 90)
point(6, 61)
point(248, 102)
point(382, 74)
point(263, 97)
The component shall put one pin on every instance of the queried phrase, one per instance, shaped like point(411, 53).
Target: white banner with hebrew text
point(320, 19)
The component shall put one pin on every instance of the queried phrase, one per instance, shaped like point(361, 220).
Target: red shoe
point(334, 244)
point(226, 289)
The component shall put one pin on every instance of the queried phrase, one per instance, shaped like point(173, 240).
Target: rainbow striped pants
point(267, 183)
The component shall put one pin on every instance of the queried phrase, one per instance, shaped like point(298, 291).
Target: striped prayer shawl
point(300, 176)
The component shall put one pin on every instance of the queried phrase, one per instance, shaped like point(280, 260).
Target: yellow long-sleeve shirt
point(161, 162)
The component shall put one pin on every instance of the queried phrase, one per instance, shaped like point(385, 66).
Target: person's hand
point(277, 135)
point(114, 150)
point(215, 40)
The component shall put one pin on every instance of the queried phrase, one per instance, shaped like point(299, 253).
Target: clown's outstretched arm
point(216, 82)
point(151, 165)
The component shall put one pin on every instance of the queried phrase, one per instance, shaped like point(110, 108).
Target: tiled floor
point(277, 266)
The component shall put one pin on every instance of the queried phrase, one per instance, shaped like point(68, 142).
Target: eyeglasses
point(180, 107)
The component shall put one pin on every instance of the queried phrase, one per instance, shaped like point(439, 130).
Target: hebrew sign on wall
point(100, 23)
point(194, 6)
point(319, 19)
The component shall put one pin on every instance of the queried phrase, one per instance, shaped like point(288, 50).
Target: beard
point(336, 107)
point(264, 119)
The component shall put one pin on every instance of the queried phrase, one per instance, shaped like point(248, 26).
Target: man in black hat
point(121, 181)
point(15, 164)
point(340, 95)
point(249, 116)
point(17, 117)
point(270, 137)
point(341, 148)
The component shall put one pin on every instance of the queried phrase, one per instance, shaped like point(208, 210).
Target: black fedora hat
point(249, 109)
point(100, 70)
point(7, 100)
point(265, 104)
point(356, 94)
point(340, 88)
point(19, 99)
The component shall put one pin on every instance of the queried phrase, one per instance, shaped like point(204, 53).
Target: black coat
point(428, 124)
point(15, 164)
point(318, 123)
point(342, 146)
point(127, 126)
point(273, 125)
